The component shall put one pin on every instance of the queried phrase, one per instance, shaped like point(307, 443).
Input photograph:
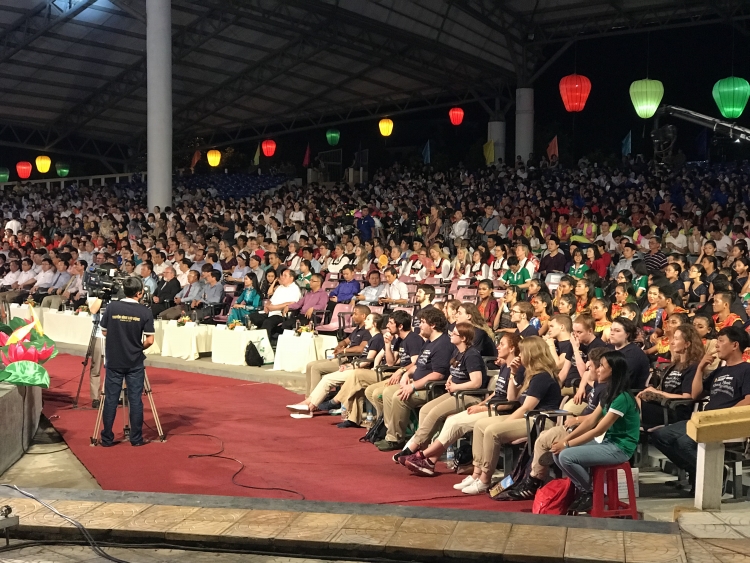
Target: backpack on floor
point(555, 497)
point(376, 432)
point(252, 356)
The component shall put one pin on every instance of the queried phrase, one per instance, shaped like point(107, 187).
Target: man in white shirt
point(723, 242)
point(12, 276)
point(605, 235)
point(14, 224)
point(160, 263)
point(460, 227)
point(288, 293)
point(675, 241)
point(396, 292)
point(20, 287)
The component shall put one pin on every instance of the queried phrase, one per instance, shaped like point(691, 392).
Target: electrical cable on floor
point(84, 532)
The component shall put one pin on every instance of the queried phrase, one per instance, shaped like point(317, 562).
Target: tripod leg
point(125, 411)
point(99, 415)
point(149, 394)
point(89, 354)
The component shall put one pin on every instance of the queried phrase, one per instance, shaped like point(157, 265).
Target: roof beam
point(37, 21)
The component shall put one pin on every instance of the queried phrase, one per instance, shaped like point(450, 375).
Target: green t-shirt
point(577, 272)
point(626, 430)
point(641, 282)
point(519, 278)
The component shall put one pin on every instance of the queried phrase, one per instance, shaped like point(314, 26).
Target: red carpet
point(313, 457)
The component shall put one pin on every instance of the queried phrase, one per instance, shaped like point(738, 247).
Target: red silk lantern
point(23, 169)
point(269, 147)
point(575, 90)
point(456, 115)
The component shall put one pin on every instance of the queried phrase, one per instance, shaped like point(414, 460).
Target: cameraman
point(124, 324)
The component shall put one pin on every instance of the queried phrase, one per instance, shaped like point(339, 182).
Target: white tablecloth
point(67, 328)
point(155, 348)
point(228, 346)
point(293, 353)
point(186, 342)
point(22, 311)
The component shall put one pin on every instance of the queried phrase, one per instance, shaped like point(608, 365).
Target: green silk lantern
point(4, 174)
point(731, 95)
point(62, 168)
point(646, 96)
point(333, 136)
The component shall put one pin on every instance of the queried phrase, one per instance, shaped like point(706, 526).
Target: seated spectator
point(487, 305)
point(303, 311)
point(21, 287)
point(305, 274)
point(165, 292)
point(347, 289)
point(287, 293)
point(424, 297)
point(184, 297)
point(516, 276)
point(396, 292)
point(483, 341)
point(727, 387)
point(520, 314)
point(247, 302)
point(371, 294)
point(616, 417)
point(723, 316)
point(622, 337)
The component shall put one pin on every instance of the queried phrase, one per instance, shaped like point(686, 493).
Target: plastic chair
point(464, 292)
point(333, 326)
point(229, 301)
point(615, 508)
point(329, 285)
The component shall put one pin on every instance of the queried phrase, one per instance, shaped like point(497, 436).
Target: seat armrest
point(461, 396)
point(494, 404)
point(381, 370)
point(549, 413)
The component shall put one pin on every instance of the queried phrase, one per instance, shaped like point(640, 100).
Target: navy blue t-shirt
point(545, 387)
point(464, 363)
point(358, 336)
point(728, 385)
point(594, 397)
point(126, 322)
point(376, 343)
point(503, 380)
point(409, 346)
point(678, 381)
point(435, 356)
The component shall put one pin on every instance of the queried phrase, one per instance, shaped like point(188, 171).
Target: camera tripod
point(126, 411)
point(89, 354)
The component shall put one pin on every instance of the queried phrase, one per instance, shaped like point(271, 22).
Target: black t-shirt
point(483, 343)
point(565, 348)
point(409, 346)
point(462, 364)
point(594, 397)
point(544, 387)
point(638, 365)
point(679, 381)
point(376, 343)
point(228, 235)
point(126, 322)
point(416, 321)
point(435, 356)
point(503, 380)
point(728, 385)
point(529, 331)
point(358, 336)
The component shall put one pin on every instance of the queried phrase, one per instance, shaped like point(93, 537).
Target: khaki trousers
point(97, 357)
point(396, 411)
point(326, 383)
point(53, 301)
point(434, 413)
point(315, 371)
point(173, 313)
point(489, 435)
point(374, 394)
point(352, 393)
point(573, 409)
point(10, 296)
point(459, 425)
point(542, 445)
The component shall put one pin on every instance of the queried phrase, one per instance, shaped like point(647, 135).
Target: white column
point(496, 133)
point(709, 475)
point(159, 88)
point(524, 123)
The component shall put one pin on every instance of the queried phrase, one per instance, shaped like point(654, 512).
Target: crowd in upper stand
point(450, 276)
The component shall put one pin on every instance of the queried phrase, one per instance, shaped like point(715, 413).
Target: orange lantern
point(575, 90)
point(269, 147)
point(23, 169)
point(456, 115)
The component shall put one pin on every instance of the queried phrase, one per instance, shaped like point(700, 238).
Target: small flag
point(552, 148)
point(489, 152)
point(256, 160)
point(196, 159)
point(627, 144)
point(426, 153)
point(306, 160)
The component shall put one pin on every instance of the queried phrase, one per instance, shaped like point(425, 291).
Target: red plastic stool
point(615, 507)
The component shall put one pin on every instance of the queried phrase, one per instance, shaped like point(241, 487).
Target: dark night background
point(688, 61)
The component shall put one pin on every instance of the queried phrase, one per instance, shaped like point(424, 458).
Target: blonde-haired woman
point(441, 262)
point(461, 264)
point(539, 389)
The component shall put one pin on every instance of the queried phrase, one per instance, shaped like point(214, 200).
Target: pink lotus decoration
point(17, 353)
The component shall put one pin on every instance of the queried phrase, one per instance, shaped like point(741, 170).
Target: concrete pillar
point(524, 123)
point(496, 133)
point(709, 476)
point(159, 90)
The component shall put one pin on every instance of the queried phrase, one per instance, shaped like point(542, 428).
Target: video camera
point(104, 282)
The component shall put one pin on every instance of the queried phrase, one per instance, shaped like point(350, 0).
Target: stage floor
point(283, 458)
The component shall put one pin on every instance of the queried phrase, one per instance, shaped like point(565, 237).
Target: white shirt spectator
point(396, 290)
point(25, 277)
point(459, 229)
point(335, 264)
point(14, 225)
point(297, 216)
point(722, 245)
point(680, 243)
point(285, 294)
point(10, 278)
point(44, 279)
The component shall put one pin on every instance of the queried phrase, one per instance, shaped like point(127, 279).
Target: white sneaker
point(298, 407)
point(301, 415)
point(475, 488)
point(468, 480)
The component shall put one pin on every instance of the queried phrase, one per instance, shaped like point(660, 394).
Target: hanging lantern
point(646, 96)
point(456, 115)
point(62, 168)
point(269, 147)
point(43, 164)
point(214, 157)
point(386, 127)
point(23, 169)
point(731, 95)
point(333, 136)
point(4, 174)
point(575, 90)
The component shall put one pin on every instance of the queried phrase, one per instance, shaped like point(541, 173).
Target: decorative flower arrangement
point(303, 328)
point(183, 320)
point(82, 309)
point(30, 301)
point(23, 350)
point(233, 325)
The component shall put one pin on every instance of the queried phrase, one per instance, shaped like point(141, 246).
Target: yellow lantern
point(43, 164)
point(386, 127)
point(214, 157)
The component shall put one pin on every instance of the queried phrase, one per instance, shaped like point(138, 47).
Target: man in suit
point(166, 290)
point(193, 290)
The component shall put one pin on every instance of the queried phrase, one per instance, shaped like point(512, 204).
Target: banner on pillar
point(256, 159)
point(627, 144)
point(426, 153)
point(489, 152)
point(552, 149)
point(306, 160)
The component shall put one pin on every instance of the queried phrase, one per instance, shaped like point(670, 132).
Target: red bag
point(555, 497)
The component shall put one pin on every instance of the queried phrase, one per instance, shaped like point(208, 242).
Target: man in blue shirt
point(346, 290)
point(366, 224)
